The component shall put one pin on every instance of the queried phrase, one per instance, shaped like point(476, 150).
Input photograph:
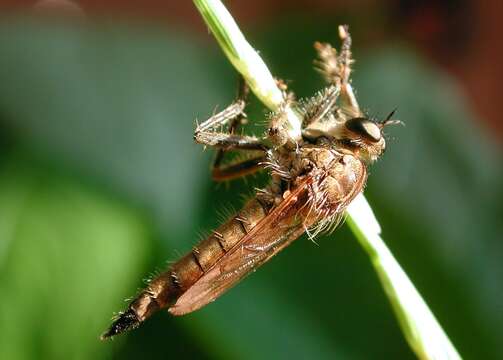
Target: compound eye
point(365, 128)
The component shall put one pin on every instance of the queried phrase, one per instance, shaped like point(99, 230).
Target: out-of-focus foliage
point(104, 115)
point(65, 250)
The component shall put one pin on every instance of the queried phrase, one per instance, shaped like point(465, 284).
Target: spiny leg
point(281, 131)
point(234, 116)
point(238, 169)
point(230, 141)
point(206, 133)
point(337, 69)
point(234, 113)
point(345, 58)
point(346, 61)
point(322, 104)
point(242, 96)
point(249, 165)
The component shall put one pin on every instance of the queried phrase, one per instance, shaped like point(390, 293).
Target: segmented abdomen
point(186, 271)
point(164, 289)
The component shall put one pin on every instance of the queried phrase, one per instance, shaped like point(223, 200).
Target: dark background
point(101, 183)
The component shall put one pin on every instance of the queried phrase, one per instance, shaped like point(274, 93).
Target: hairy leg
point(336, 69)
point(233, 116)
point(207, 133)
point(238, 169)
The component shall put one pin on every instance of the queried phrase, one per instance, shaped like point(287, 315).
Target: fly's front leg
point(227, 141)
point(234, 113)
point(207, 134)
point(242, 96)
point(336, 68)
point(346, 61)
point(233, 116)
point(345, 58)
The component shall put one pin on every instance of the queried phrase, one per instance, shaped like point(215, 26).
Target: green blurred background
point(101, 183)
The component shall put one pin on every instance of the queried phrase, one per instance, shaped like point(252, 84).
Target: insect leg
point(336, 68)
point(231, 112)
point(239, 169)
point(206, 133)
point(345, 60)
point(245, 167)
point(230, 141)
point(243, 92)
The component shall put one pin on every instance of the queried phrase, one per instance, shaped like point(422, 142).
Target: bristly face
point(328, 115)
point(362, 136)
point(367, 136)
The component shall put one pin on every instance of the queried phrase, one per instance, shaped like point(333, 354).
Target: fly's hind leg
point(239, 169)
point(233, 116)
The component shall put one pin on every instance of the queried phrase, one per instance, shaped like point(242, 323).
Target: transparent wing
point(273, 233)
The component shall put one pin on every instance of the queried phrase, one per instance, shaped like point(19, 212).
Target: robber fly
point(314, 177)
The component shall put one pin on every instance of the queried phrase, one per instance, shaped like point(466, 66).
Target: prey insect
point(314, 176)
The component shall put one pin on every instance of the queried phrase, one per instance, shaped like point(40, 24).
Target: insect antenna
point(388, 120)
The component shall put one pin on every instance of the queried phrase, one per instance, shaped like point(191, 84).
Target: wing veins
point(217, 279)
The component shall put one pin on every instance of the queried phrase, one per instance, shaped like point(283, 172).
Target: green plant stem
point(420, 327)
point(246, 60)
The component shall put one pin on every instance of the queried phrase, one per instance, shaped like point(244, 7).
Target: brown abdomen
point(192, 266)
point(163, 290)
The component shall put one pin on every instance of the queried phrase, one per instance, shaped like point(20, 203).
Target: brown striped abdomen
point(185, 272)
point(163, 290)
